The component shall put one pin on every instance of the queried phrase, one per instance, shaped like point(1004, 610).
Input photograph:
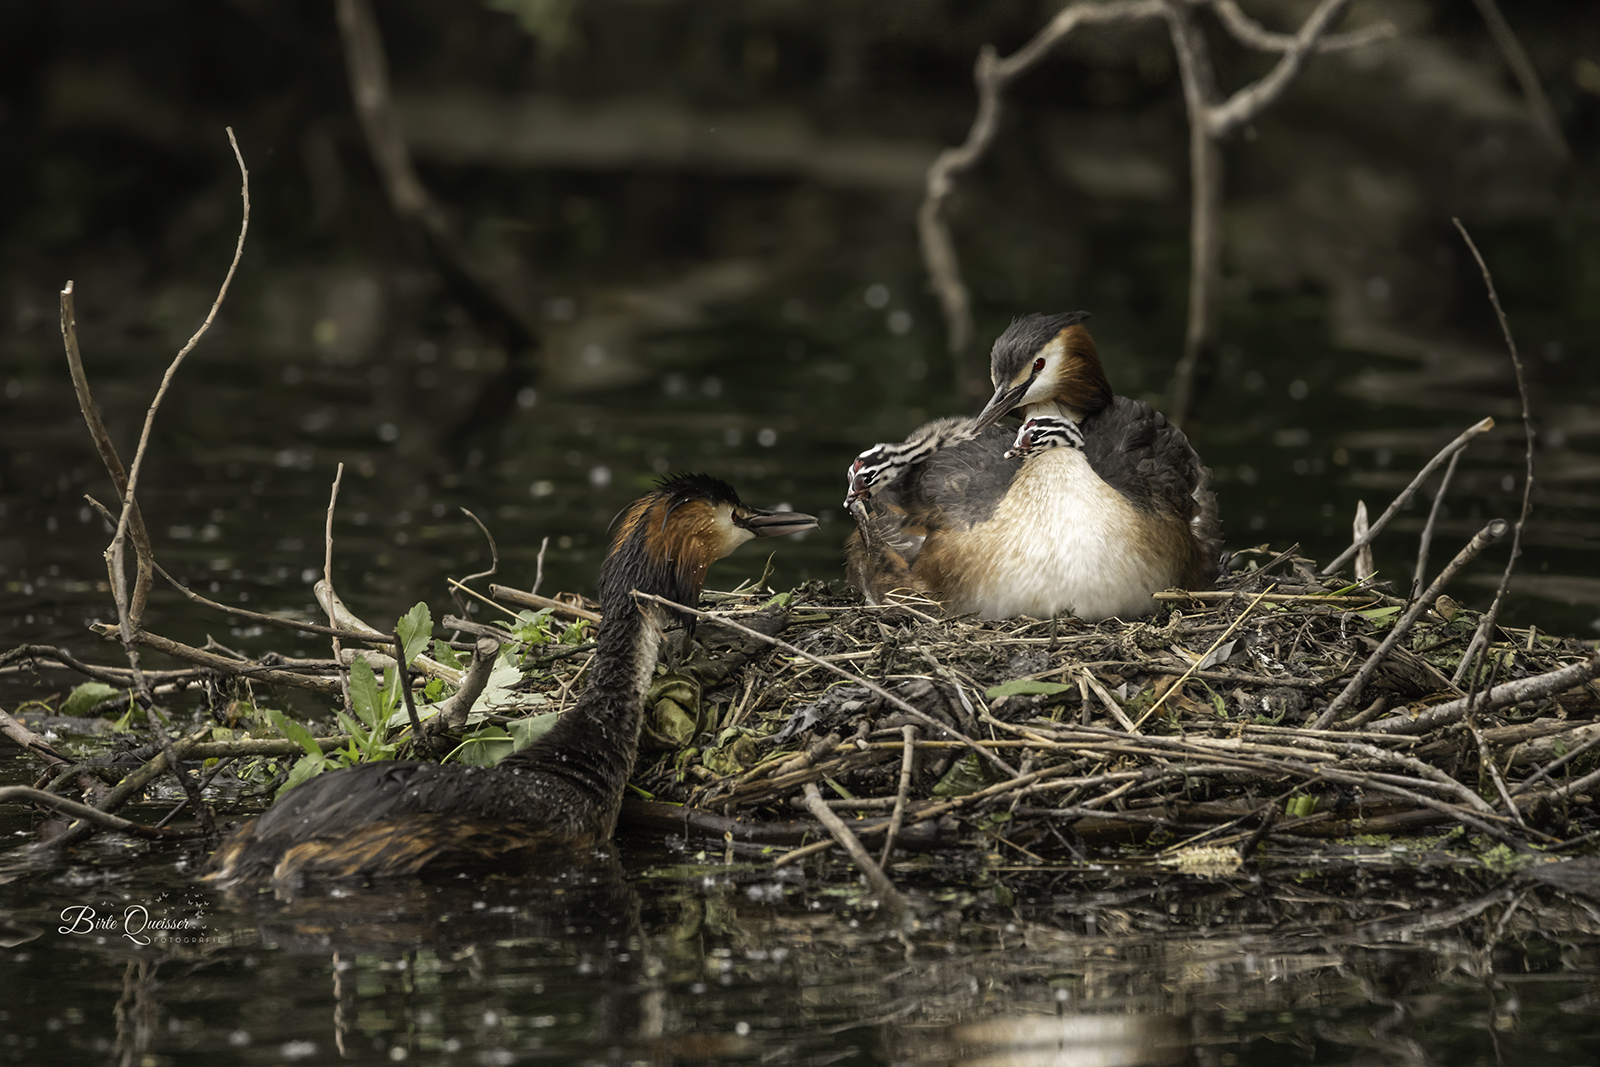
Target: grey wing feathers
point(1151, 463)
point(959, 484)
point(967, 481)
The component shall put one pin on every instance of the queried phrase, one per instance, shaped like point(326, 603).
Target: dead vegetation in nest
point(1205, 725)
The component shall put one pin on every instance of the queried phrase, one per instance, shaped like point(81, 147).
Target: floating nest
point(1281, 704)
point(1222, 719)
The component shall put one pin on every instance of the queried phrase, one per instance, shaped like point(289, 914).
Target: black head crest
point(681, 488)
point(1025, 336)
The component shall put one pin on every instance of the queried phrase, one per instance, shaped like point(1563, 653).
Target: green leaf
point(415, 628)
point(500, 693)
point(364, 697)
point(1026, 687)
point(392, 697)
point(1380, 617)
point(306, 768)
point(782, 600)
point(446, 655)
point(532, 627)
point(82, 699)
point(295, 732)
point(966, 775)
point(356, 730)
point(526, 731)
point(484, 748)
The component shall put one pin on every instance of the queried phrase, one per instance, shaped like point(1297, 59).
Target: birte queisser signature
point(133, 922)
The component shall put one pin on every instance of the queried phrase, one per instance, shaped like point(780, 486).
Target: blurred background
point(684, 239)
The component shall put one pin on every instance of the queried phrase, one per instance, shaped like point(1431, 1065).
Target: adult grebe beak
point(772, 523)
point(1001, 404)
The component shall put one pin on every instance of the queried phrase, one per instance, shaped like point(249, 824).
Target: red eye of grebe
point(1038, 365)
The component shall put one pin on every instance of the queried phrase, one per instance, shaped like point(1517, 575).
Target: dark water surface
point(661, 953)
point(764, 323)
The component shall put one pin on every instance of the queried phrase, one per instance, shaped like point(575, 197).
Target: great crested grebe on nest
point(561, 793)
point(1095, 504)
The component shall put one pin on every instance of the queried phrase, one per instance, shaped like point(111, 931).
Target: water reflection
point(669, 956)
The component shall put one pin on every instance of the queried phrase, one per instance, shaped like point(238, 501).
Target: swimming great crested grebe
point(562, 792)
point(1096, 503)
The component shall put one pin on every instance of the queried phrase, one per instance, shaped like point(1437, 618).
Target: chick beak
point(773, 523)
point(1001, 404)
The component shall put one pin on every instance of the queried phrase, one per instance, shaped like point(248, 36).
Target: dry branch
point(1495, 530)
point(1500, 696)
point(1448, 451)
point(1486, 627)
point(21, 794)
point(888, 896)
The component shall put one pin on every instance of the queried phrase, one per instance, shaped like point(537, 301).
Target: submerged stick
point(1495, 530)
point(908, 762)
point(21, 794)
point(1406, 494)
point(888, 895)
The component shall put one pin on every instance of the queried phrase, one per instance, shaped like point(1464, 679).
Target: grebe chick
point(561, 793)
point(1094, 505)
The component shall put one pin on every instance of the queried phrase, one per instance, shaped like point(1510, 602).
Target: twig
point(131, 786)
point(1540, 685)
point(1427, 530)
point(226, 609)
point(132, 621)
point(494, 563)
point(108, 453)
point(1495, 530)
point(1550, 768)
point(1544, 116)
point(538, 567)
point(403, 679)
point(31, 742)
point(122, 676)
point(1244, 105)
point(1486, 626)
point(1115, 709)
point(1196, 664)
point(1247, 31)
point(21, 794)
point(1486, 761)
point(453, 713)
point(917, 713)
point(327, 579)
point(1405, 494)
point(226, 664)
point(1365, 567)
point(908, 761)
point(887, 894)
point(531, 600)
point(1215, 596)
